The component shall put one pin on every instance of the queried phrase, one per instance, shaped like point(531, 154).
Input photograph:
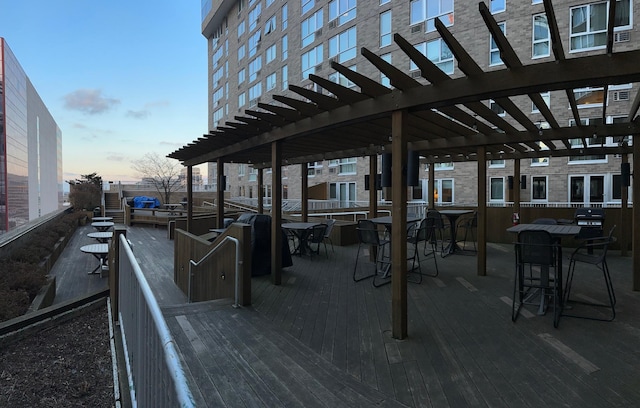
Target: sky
point(121, 78)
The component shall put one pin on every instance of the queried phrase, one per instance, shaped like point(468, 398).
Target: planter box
point(45, 296)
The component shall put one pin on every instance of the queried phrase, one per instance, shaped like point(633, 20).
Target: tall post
point(114, 270)
point(373, 192)
point(431, 187)
point(304, 186)
point(482, 211)
point(276, 213)
point(189, 198)
point(624, 214)
point(220, 199)
point(516, 185)
point(399, 229)
point(635, 238)
point(260, 191)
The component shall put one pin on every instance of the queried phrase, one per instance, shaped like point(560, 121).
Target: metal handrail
point(193, 263)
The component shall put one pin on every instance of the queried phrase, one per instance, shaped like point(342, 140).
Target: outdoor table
point(387, 221)
point(101, 237)
point(102, 226)
point(452, 216)
point(102, 219)
point(172, 207)
point(557, 231)
point(301, 230)
point(99, 251)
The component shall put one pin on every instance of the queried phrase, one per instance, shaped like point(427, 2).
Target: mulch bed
point(68, 365)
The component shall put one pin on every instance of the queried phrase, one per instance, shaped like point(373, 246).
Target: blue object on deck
point(145, 202)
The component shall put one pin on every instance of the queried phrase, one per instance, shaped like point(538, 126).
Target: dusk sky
point(121, 78)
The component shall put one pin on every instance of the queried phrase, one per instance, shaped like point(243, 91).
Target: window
point(241, 5)
point(588, 24)
point(496, 186)
point(254, 68)
point(254, 17)
point(546, 97)
point(496, 108)
point(338, 78)
point(270, 54)
point(592, 141)
point(254, 93)
point(285, 47)
point(498, 6)
point(541, 161)
point(254, 42)
point(538, 188)
point(384, 80)
point(285, 77)
point(343, 10)
point(285, 17)
point(217, 57)
point(217, 96)
point(217, 117)
point(429, 10)
point(438, 52)
point(616, 187)
point(241, 52)
point(314, 168)
point(443, 166)
point(443, 191)
point(307, 5)
point(241, 169)
point(496, 163)
point(347, 166)
point(241, 100)
point(541, 43)
point(343, 45)
point(269, 2)
point(494, 51)
point(241, 28)
point(309, 28)
point(271, 81)
point(217, 76)
point(384, 2)
point(589, 97)
point(385, 29)
point(343, 192)
point(270, 25)
point(241, 76)
point(310, 59)
point(586, 189)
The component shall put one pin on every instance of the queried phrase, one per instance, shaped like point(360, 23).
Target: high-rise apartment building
point(30, 148)
point(257, 48)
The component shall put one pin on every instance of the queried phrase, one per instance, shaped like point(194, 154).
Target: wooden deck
point(320, 339)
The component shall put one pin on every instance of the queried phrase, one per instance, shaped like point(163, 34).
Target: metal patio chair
point(368, 236)
point(425, 233)
point(592, 252)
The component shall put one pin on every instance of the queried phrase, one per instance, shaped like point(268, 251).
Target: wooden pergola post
point(189, 198)
point(624, 215)
point(399, 122)
point(304, 196)
point(276, 213)
point(260, 191)
point(220, 194)
point(482, 211)
point(635, 239)
point(373, 192)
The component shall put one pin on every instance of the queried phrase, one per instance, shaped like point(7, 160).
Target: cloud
point(116, 157)
point(141, 114)
point(89, 101)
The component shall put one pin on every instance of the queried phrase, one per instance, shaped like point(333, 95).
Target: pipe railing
point(195, 264)
point(156, 376)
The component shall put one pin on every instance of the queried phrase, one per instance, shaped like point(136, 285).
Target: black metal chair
point(536, 257)
point(424, 233)
point(592, 252)
point(327, 235)
point(439, 228)
point(317, 237)
point(368, 236)
point(470, 226)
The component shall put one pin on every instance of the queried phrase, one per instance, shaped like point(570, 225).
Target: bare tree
point(162, 172)
point(85, 193)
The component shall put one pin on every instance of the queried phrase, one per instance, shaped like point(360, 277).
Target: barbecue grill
point(591, 220)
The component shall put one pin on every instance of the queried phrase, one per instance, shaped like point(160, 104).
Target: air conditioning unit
point(332, 169)
point(319, 67)
point(416, 74)
point(319, 32)
point(333, 23)
point(418, 28)
point(620, 96)
point(621, 36)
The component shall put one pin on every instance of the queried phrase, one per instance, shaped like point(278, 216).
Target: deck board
point(320, 339)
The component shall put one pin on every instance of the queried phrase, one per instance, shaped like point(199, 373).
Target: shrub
point(13, 303)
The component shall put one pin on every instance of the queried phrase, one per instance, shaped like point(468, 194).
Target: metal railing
point(193, 264)
point(156, 377)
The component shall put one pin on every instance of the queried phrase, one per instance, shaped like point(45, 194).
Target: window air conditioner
point(418, 28)
point(621, 36)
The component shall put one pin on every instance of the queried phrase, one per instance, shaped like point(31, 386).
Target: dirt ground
point(68, 365)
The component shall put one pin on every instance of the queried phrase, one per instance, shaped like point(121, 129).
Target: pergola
point(446, 120)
